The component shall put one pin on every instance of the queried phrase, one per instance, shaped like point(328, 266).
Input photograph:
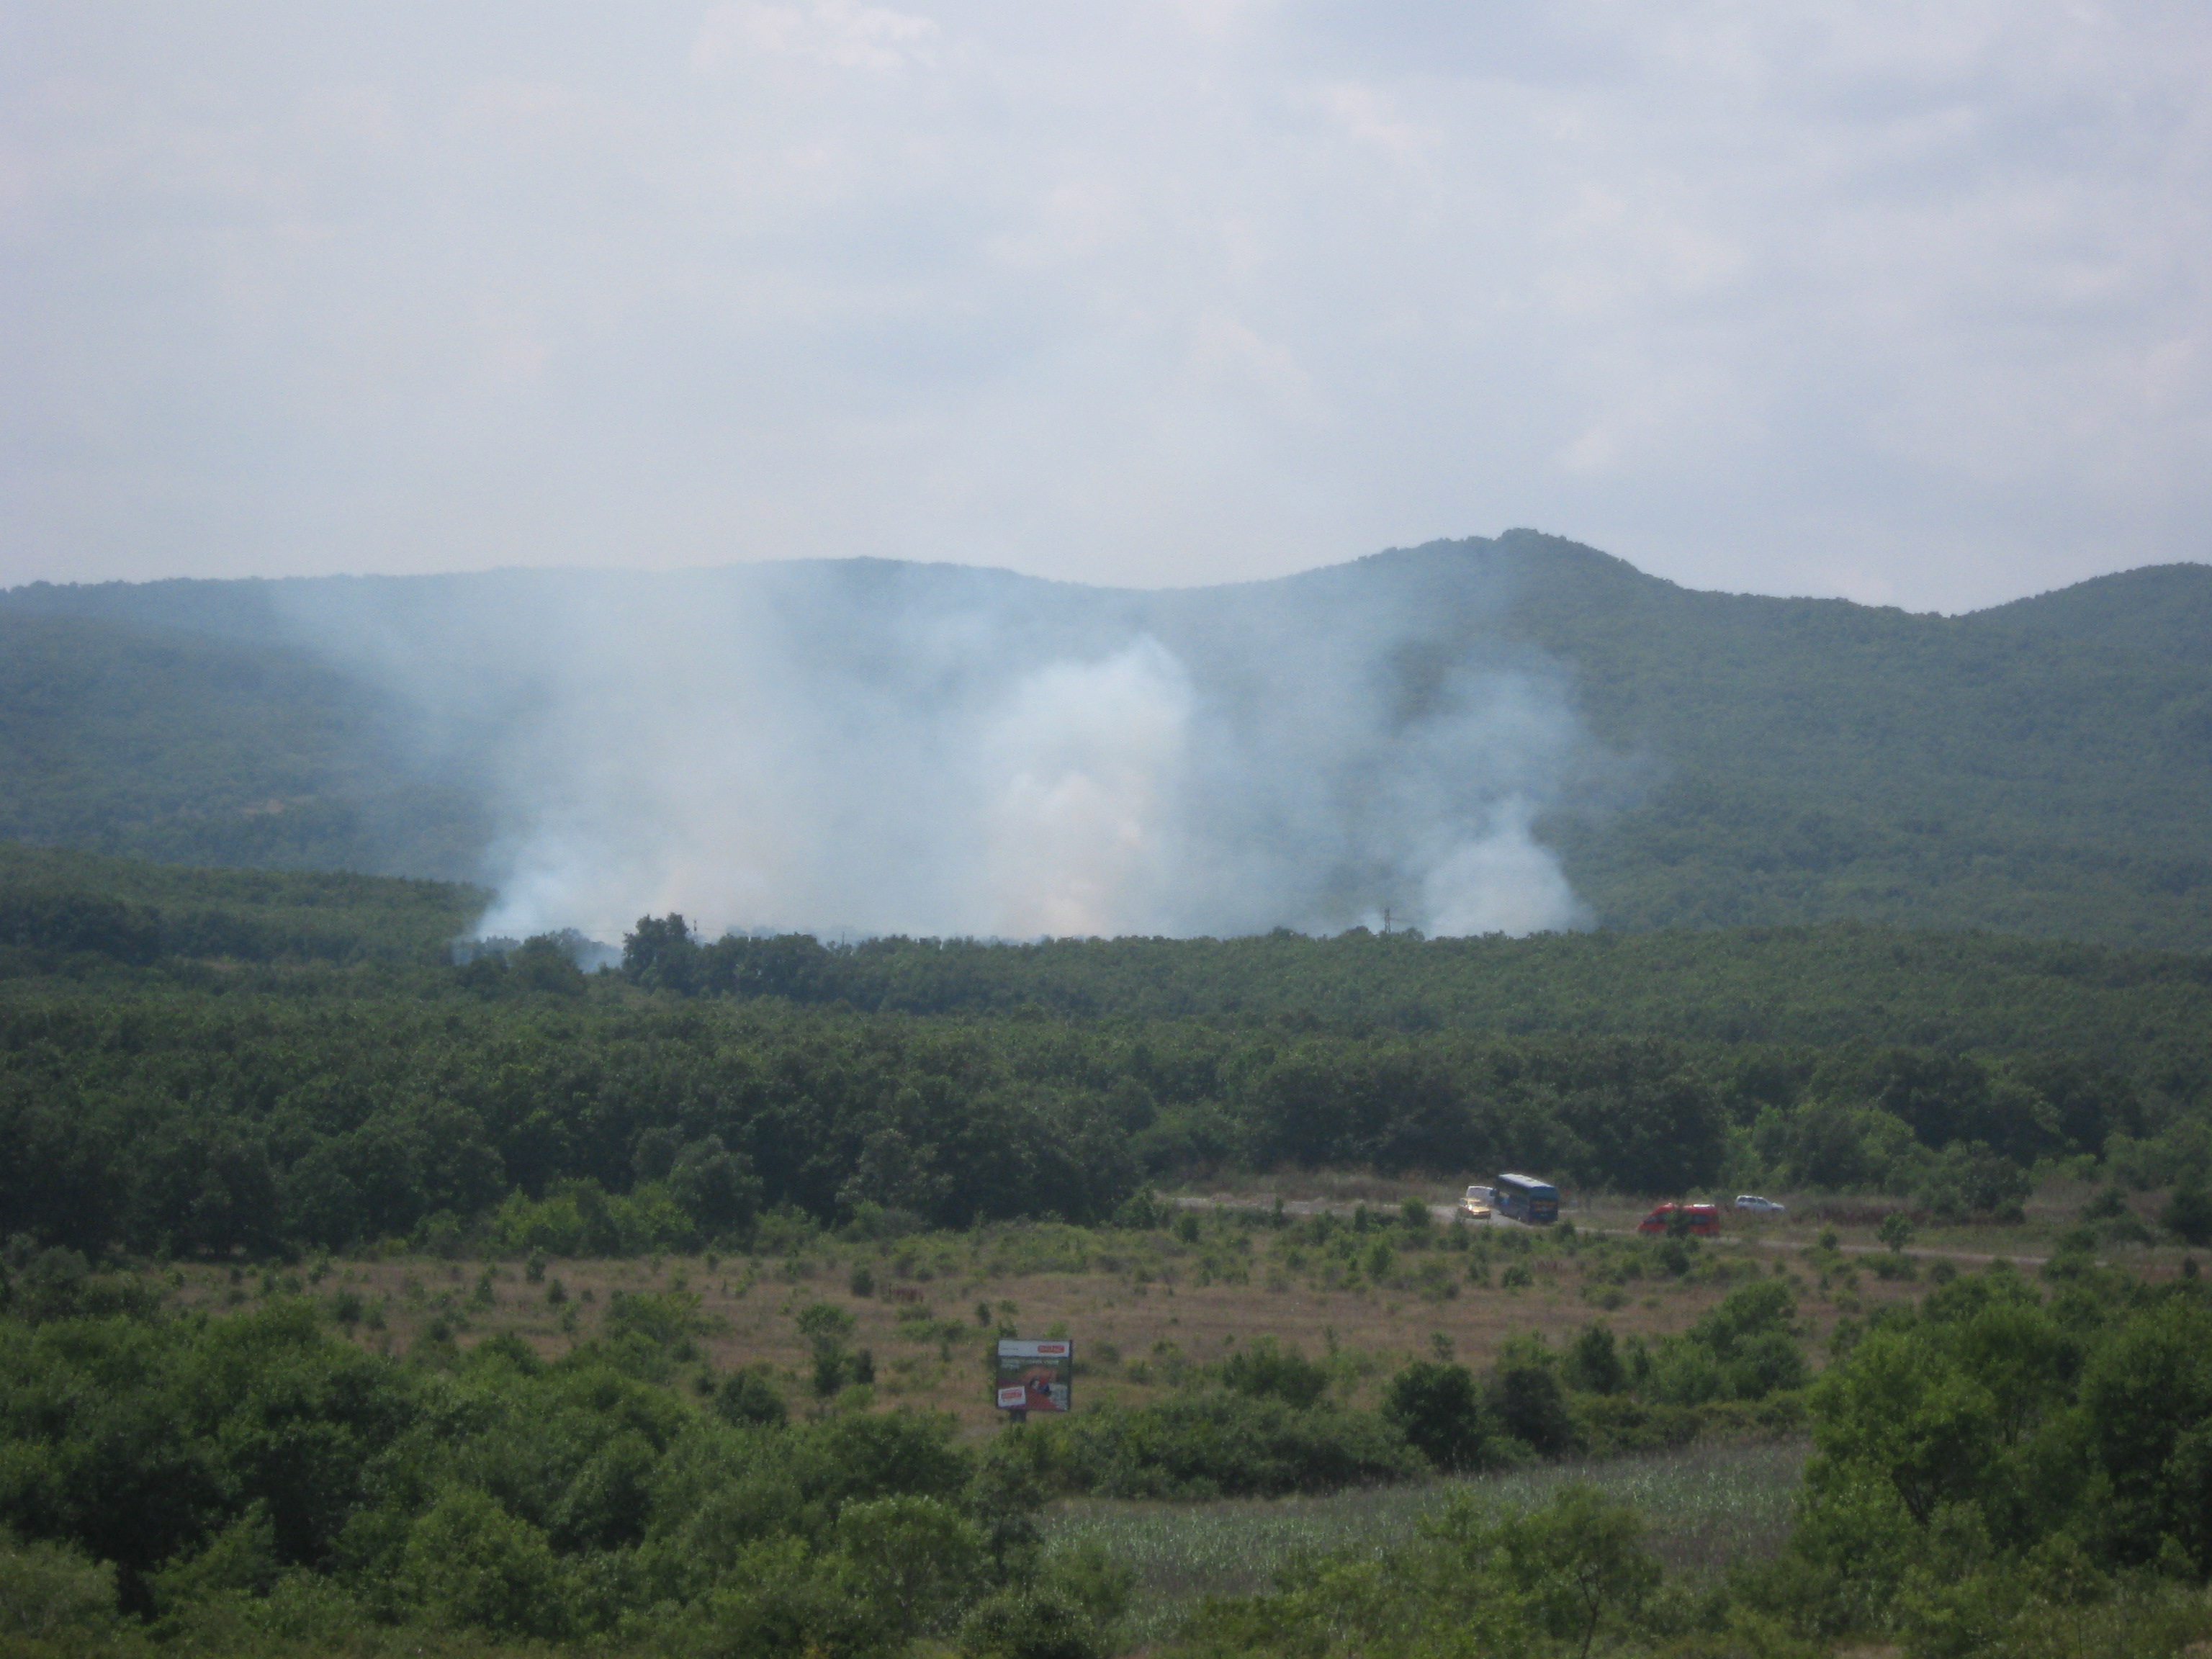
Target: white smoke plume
point(866, 748)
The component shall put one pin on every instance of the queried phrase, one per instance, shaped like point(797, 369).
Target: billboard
point(1034, 1377)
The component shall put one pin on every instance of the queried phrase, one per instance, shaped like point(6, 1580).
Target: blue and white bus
point(1524, 1198)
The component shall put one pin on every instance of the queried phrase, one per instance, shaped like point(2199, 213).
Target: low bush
point(1212, 1442)
point(1553, 1579)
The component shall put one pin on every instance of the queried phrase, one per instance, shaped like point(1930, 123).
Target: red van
point(1703, 1219)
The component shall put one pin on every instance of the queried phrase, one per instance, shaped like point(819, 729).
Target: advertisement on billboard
point(1036, 1377)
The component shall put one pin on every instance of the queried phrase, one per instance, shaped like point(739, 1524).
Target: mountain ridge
point(2043, 766)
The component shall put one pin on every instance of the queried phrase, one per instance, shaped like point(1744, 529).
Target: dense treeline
point(162, 742)
point(205, 1062)
point(1830, 985)
point(64, 910)
point(1813, 986)
point(227, 1118)
point(2041, 767)
point(258, 1468)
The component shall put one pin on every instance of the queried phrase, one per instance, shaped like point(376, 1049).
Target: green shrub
point(1969, 1179)
point(1594, 1363)
point(1550, 1580)
point(1744, 1349)
point(469, 1562)
point(1025, 1623)
point(1266, 1370)
point(1219, 1444)
point(780, 1599)
point(1440, 1410)
point(2187, 1213)
point(51, 1593)
point(1531, 1407)
point(751, 1396)
point(916, 1560)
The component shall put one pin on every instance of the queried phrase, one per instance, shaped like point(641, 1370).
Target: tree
point(469, 1562)
point(1438, 1409)
point(1532, 1407)
point(661, 955)
point(2188, 1213)
point(1970, 1179)
point(715, 1186)
point(1018, 1623)
point(543, 965)
point(1268, 1369)
point(1594, 1363)
point(751, 1396)
point(917, 1559)
point(1579, 1558)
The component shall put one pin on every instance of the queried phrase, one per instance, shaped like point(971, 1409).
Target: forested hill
point(174, 744)
point(2043, 768)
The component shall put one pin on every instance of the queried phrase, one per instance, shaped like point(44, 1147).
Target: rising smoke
point(864, 747)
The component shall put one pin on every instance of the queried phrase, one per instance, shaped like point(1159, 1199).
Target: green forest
point(196, 1062)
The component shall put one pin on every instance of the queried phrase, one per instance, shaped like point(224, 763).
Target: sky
point(1905, 301)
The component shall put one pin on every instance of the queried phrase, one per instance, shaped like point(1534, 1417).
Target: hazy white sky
point(1904, 299)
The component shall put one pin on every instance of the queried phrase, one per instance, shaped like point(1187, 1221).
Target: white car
point(1759, 1206)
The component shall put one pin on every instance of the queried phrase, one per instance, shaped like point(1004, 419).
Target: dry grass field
point(1142, 1306)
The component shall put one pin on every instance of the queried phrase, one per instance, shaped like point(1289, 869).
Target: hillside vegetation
point(2044, 767)
point(168, 743)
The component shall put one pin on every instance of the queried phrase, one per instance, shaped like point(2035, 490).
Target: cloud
point(1898, 301)
point(836, 32)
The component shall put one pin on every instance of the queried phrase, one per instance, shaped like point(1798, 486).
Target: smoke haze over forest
point(926, 750)
point(1515, 733)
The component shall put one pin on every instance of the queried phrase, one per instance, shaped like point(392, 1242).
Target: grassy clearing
point(1709, 1506)
point(1143, 1307)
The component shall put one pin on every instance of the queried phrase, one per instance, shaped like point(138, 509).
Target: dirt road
point(1302, 1208)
